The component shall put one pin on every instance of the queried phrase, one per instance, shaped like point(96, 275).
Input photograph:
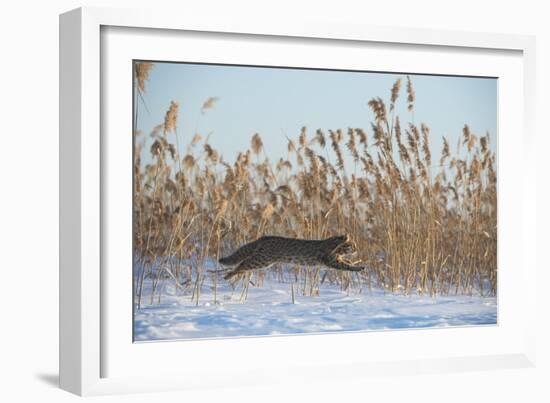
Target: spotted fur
point(269, 250)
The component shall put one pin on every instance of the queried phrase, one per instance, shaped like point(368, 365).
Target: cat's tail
point(230, 260)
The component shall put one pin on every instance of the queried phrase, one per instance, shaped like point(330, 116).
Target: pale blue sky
point(276, 102)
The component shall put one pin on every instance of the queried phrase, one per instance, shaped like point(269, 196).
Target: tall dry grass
point(420, 225)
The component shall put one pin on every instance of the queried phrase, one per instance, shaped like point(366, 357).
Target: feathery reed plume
point(313, 163)
point(171, 117)
point(471, 142)
point(404, 154)
point(379, 109)
point(211, 154)
point(425, 146)
point(475, 169)
point(189, 161)
point(156, 148)
point(445, 152)
point(157, 130)
point(483, 141)
point(287, 164)
point(320, 138)
point(208, 104)
point(142, 74)
point(378, 134)
point(397, 131)
point(280, 165)
point(336, 138)
point(395, 93)
point(257, 144)
point(466, 134)
point(291, 146)
point(303, 137)
point(351, 145)
point(196, 138)
point(411, 96)
point(362, 138)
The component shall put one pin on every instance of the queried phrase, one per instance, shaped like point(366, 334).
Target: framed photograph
point(243, 203)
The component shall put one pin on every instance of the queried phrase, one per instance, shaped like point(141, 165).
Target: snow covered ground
point(269, 310)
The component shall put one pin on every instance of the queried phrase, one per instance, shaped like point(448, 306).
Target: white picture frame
point(85, 344)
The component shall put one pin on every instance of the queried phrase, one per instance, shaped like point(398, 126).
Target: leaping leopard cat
point(269, 250)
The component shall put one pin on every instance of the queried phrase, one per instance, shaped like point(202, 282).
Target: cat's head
point(346, 249)
point(342, 238)
point(343, 245)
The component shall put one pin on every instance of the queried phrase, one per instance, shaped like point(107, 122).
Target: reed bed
point(421, 226)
